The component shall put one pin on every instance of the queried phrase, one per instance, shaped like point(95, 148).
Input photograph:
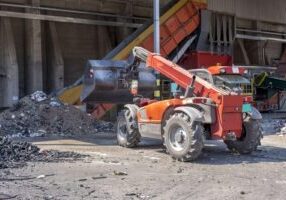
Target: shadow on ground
point(214, 152)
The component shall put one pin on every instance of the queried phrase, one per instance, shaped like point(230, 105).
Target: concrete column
point(9, 70)
point(103, 41)
point(259, 54)
point(55, 60)
point(34, 65)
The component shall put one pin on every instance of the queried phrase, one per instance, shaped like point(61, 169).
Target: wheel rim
point(178, 137)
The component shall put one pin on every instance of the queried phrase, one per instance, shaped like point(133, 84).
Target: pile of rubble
point(16, 154)
point(277, 126)
point(39, 114)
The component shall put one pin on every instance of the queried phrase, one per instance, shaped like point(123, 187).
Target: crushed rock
point(277, 126)
point(15, 154)
point(38, 114)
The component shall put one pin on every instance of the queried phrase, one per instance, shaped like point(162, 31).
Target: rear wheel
point(183, 137)
point(126, 127)
point(250, 140)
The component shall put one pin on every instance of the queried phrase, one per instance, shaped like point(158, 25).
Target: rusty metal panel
point(261, 10)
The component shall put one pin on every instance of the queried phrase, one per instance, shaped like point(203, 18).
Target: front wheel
point(250, 139)
point(183, 137)
point(126, 127)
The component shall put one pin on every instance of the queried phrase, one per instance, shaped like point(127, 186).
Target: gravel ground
point(147, 172)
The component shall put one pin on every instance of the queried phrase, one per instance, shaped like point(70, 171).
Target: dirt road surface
point(147, 172)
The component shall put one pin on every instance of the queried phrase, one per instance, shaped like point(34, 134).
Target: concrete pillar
point(34, 65)
point(55, 60)
point(103, 41)
point(9, 70)
point(259, 54)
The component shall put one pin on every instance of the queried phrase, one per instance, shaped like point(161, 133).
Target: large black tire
point(183, 137)
point(126, 127)
point(250, 140)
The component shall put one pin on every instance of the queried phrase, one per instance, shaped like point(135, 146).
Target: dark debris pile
point(15, 154)
point(39, 114)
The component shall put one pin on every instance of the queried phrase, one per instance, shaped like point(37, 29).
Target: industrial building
point(46, 44)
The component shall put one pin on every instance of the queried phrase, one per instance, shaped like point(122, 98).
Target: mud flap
point(254, 114)
point(193, 113)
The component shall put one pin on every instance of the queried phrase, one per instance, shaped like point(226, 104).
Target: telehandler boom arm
point(179, 75)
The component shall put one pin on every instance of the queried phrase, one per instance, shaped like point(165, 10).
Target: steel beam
point(12, 5)
point(260, 38)
point(66, 19)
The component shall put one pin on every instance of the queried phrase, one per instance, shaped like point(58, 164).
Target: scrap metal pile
point(38, 115)
point(16, 154)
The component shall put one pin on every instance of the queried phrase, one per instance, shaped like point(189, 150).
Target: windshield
point(234, 83)
point(232, 79)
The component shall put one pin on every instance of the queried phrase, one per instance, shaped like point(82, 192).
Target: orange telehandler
point(204, 111)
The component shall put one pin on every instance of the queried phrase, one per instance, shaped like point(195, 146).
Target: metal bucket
point(108, 81)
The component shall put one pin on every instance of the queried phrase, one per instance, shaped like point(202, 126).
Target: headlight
point(222, 71)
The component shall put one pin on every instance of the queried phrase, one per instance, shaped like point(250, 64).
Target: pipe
point(260, 38)
point(261, 32)
point(256, 67)
point(156, 7)
point(67, 19)
point(156, 26)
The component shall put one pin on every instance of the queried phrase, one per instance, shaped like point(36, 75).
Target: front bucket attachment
point(107, 81)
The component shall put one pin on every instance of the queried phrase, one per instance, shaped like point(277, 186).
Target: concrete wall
point(141, 8)
point(48, 55)
point(262, 10)
point(260, 52)
point(80, 43)
point(258, 15)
